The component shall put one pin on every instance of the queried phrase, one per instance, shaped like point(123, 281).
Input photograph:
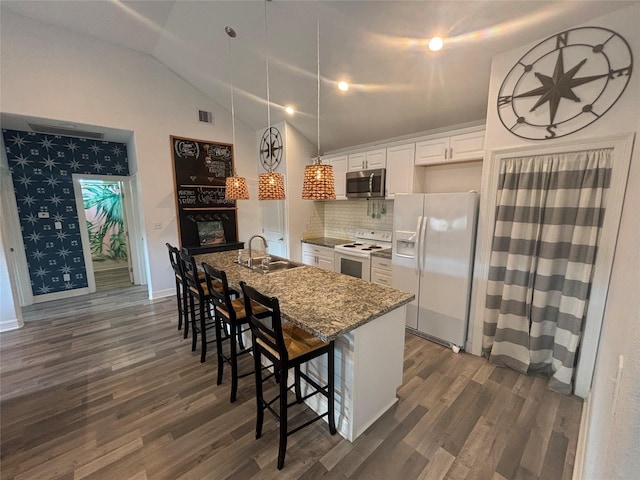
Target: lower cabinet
point(381, 271)
point(316, 256)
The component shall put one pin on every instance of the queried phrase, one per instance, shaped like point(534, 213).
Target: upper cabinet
point(370, 160)
point(454, 148)
point(339, 164)
point(400, 169)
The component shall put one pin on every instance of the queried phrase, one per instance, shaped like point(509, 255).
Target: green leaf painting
point(107, 235)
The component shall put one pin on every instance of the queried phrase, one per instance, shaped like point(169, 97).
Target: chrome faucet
point(264, 242)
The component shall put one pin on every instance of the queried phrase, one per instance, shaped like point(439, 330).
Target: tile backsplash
point(341, 218)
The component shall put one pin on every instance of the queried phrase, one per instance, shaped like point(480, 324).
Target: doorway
point(107, 230)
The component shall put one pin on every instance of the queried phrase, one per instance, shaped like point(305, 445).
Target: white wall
point(612, 430)
point(52, 73)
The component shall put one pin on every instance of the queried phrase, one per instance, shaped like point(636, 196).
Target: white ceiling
point(398, 86)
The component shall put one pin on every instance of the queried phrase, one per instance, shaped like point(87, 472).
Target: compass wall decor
point(271, 149)
point(565, 83)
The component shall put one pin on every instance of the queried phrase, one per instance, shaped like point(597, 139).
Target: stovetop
point(367, 242)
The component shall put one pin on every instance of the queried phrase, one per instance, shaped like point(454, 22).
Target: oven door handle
point(416, 246)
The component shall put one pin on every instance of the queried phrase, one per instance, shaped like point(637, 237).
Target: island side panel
point(368, 371)
point(377, 368)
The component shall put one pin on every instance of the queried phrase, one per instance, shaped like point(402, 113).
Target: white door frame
point(621, 158)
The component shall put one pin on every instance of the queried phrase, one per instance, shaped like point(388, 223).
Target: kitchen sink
point(276, 264)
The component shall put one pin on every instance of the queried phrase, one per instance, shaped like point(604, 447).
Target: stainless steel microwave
point(366, 183)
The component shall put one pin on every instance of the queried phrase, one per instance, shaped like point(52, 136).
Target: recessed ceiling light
point(435, 44)
point(289, 109)
point(344, 86)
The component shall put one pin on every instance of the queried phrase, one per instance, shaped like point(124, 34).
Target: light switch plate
point(58, 225)
point(157, 226)
point(66, 277)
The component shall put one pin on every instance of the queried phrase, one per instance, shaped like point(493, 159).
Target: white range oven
point(355, 258)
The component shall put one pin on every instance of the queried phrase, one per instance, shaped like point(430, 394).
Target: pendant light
point(270, 184)
point(318, 182)
point(236, 187)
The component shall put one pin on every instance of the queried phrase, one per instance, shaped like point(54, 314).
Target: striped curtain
point(548, 216)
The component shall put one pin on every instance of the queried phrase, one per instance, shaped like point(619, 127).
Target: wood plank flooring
point(104, 387)
point(112, 279)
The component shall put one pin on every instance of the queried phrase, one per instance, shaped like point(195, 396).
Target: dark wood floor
point(106, 388)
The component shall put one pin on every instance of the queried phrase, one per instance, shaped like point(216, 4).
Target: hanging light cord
point(266, 41)
point(233, 112)
point(318, 65)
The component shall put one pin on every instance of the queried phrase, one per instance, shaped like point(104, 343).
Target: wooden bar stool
point(181, 294)
point(286, 346)
point(231, 323)
point(197, 291)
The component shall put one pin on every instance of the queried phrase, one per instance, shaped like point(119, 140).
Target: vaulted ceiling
point(398, 87)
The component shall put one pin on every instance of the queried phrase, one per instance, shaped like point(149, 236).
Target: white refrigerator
point(432, 257)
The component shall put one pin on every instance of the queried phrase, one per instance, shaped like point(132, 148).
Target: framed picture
point(211, 233)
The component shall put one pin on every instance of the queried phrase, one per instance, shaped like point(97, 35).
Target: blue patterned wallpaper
point(41, 167)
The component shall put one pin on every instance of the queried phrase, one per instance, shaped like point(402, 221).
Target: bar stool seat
point(286, 346)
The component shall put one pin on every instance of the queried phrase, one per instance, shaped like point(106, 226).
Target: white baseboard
point(169, 292)
point(11, 324)
point(578, 464)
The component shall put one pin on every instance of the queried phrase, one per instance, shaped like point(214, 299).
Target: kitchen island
point(366, 321)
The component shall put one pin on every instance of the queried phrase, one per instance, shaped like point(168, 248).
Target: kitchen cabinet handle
point(445, 153)
point(450, 153)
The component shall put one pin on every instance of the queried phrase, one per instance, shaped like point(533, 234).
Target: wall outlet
point(157, 226)
point(66, 277)
point(43, 214)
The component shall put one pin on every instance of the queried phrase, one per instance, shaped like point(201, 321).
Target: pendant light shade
point(235, 186)
point(318, 182)
point(271, 186)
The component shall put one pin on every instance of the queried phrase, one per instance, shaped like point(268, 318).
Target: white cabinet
point(339, 164)
point(455, 148)
point(317, 256)
point(381, 271)
point(370, 160)
point(400, 169)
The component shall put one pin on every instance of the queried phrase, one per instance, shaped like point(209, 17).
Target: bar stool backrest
point(190, 273)
point(174, 258)
point(266, 328)
point(221, 297)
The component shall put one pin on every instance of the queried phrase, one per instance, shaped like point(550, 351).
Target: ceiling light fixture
point(435, 44)
point(344, 86)
point(318, 182)
point(235, 186)
point(270, 184)
point(290, 110)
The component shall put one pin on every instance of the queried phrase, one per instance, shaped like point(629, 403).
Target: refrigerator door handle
point(417, 248)
point(423, 241)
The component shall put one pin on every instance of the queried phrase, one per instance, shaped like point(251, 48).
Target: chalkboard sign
point(200, 170)
point(202, 197)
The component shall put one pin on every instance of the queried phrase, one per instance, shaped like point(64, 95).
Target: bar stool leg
point(185, 307)
point(179, 302)
point(203, 331)
point(219, 348)
point(282, 449)
point(234, 361)
point(259, 400)
point(194, 333)
point(297, 384)
point(331, 392)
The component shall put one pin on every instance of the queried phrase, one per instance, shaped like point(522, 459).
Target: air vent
point(205, 117)
point(70, 132)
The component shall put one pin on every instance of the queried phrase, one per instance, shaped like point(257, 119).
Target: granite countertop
point(324, 303)
point(385, 253)
point(326, 241)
